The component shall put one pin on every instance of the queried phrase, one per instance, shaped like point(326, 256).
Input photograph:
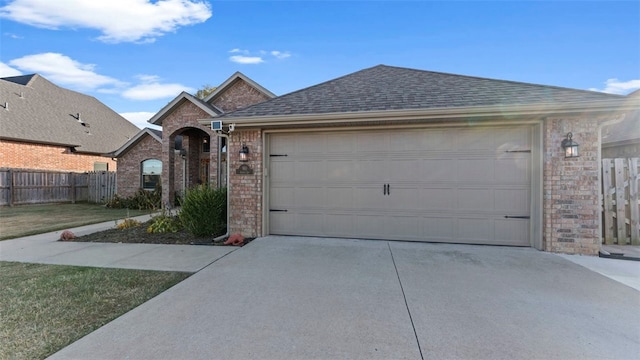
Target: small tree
point(205, 91)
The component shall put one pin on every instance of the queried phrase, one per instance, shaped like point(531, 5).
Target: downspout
point(228, 185)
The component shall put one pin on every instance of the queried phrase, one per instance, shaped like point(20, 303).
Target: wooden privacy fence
point(621, 209)
point(18, 187)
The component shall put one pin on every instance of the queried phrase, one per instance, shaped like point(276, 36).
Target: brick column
point(245, 191)
point(571, 188)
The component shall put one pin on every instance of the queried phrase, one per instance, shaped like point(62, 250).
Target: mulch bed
point(139, 235)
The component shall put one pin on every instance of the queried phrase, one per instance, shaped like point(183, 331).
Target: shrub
point(142, 200)
point(203, 211)
point(128, 223)
point(164, 223)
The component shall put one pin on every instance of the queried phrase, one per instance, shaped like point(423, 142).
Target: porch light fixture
point(570, 147)
point(244, 153)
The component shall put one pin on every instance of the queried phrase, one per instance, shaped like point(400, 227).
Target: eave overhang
point(616, 106)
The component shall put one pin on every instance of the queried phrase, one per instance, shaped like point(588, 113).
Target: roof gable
point(233, 79)
point(39, 111)
point(155, 134)
point(159, 117)
point(383, 88)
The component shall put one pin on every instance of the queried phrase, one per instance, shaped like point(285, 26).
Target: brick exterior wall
point(21, 155)
point(571, 187)
point(128, 177)
point(184, 120)
point(245, 191)
point(238, 96)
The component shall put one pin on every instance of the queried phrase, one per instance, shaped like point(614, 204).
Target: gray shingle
point(42, 112)
point(392, 88)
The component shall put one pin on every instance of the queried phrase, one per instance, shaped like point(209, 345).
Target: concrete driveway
point(312, 298)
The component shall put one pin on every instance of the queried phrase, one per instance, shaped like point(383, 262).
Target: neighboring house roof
point(38, 111)
point(155, 134)
point(208, 103)
point(388, 88)
point(625, 132)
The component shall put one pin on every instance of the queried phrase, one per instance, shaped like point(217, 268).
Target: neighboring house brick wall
point(22, 155)
point(571, 206)
point(129, 165)
point(245, 192)
point(238, 96)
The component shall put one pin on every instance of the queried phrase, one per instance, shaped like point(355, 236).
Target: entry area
point(459, 184)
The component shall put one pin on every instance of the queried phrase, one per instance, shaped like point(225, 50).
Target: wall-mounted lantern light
point(244, 153)
point(570, 147)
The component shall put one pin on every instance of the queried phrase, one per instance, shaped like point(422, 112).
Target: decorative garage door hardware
point(518, 151)
point(277, 155)
point(278, 210)
point(516, 217)
point(386, 189)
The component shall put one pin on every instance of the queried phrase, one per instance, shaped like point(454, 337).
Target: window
point(100, 166)
point(151, 170)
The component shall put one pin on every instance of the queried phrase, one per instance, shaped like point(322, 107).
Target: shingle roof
point(393, 88)
point(42, 112)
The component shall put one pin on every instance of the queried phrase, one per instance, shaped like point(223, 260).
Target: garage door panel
point(475, 200)
point(310, 197)
point(402, 198)
point(511, 231)
point(436, 199)
point(340, 170)
point(370, 226)
point(438, 170)
point(474, 230)
point(514, 170)
point(402, 170)
point(440, 229)
point(475, 170)
point(305, 171)
point(341, 198)
point(445, 185)
point(516, 138)
point(511, 201)
point(369, 198)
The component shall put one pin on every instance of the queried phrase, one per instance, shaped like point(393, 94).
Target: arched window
point(151, 170)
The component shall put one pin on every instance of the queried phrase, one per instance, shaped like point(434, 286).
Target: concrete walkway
point(45, 249)
point(315, 298)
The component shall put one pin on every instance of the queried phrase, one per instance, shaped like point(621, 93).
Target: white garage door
point(461, 185)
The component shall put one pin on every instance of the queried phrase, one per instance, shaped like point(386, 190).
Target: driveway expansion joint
point(406, 304)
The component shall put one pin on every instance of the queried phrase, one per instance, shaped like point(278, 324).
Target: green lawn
point(46, 307)
point(24, 220)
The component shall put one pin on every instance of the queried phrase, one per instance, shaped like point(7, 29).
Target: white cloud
point(63, 70)
point(615, 86)
point(280, 54)
point(247, 58)
point(241, 59)
point(117, 20)
point(140, 119)
point(6, 70)
point(152, 89)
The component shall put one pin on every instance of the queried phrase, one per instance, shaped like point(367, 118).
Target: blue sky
point(137, 55)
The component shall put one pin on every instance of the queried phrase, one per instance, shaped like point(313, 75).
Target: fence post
point(10, 194)
point(607, 164)
point(634, 213)
point(72, 178)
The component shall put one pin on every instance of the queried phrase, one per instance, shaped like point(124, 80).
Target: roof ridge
point(502, 80)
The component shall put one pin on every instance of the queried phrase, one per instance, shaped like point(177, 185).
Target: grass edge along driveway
point(47, 307)
point(25, 220)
